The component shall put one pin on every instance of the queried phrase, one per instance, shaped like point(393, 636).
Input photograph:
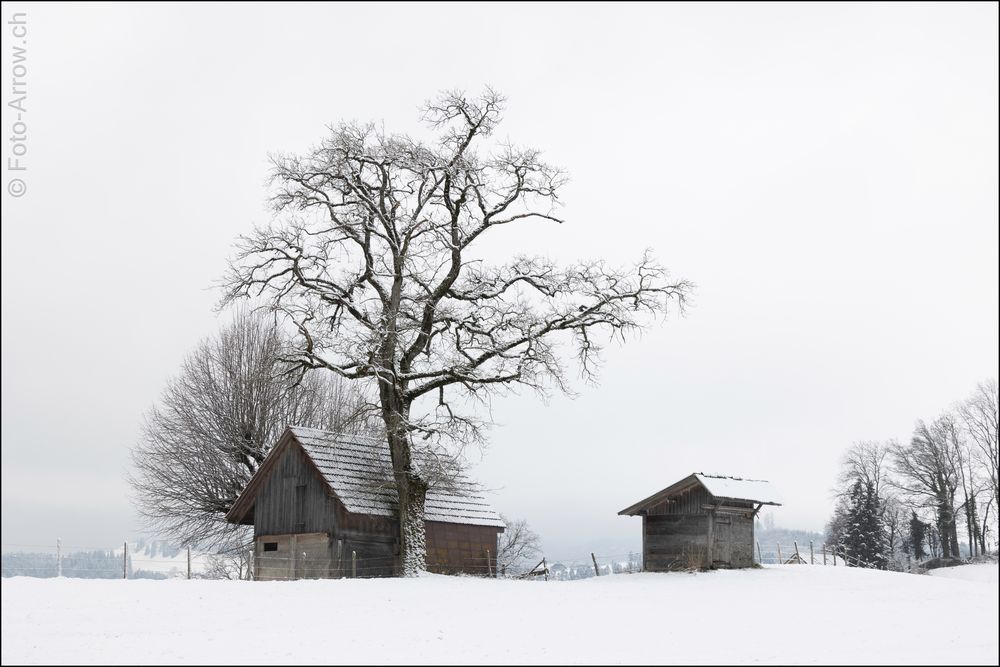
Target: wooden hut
point(325, 505)
point(702, 521)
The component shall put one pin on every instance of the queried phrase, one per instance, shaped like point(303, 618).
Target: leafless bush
point(518, 547)
point(236, 564)
point(215, 424)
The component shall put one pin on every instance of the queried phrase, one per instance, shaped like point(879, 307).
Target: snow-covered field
point(984, 572)
point(777, 615)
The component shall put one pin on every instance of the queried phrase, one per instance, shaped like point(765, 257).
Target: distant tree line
point(97, 564)
point(900, 503)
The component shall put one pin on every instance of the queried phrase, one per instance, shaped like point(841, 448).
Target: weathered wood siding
point(373, 539)
point(294, 499)
point(688, 530)
point(454, 548)
point(316, 537)
point(689, 501)
point(675, 541)
point(733, 540)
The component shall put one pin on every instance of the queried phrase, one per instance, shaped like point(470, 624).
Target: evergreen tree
point(918, 533)
point(864, 533)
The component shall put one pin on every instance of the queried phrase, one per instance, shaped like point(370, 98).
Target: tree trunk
point(948, 528)
point(970, 508)
point(944, 531)
point(971, 529)
point(982, 529)
point(410, 487)
point(953, 528)
point(412, 527)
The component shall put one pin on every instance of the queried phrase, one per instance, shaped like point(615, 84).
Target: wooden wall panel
point(677, 541)
point(294, 499)
point(454, 547)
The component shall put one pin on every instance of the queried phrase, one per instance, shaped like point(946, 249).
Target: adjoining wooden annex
point(702, 521)
point(324, 505)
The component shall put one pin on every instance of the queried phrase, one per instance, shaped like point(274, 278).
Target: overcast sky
point(826, 174)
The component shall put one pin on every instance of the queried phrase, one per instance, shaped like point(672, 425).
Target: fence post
point(760, 554)
point(489, 566)
point(189, 561)
point(354, 564)
point(779, 553)
point(545, 569)
point(125, 561)
point(597, 571)
point(824, 553)
point(798, 558)
point(58, 557)
point(812, 554)
point(835, 555)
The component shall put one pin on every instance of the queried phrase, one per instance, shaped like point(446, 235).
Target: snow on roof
point(359, 470)
point(735, 488)
point(719, 486)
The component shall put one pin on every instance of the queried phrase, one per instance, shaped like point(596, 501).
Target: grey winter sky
point(826, 174)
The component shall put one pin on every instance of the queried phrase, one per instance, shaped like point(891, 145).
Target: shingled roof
point(358, 470)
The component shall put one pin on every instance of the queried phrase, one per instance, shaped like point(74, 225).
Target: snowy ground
point(777, 615)
point(984, 572)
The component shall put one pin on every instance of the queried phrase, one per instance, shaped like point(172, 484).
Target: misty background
point(826, 175)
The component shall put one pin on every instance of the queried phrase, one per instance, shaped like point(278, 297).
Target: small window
point(270, 546)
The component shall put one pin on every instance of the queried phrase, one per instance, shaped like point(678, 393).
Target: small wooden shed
point(325, 505)
point(702, 521)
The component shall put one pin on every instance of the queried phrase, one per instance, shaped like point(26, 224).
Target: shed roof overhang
point(725, 489)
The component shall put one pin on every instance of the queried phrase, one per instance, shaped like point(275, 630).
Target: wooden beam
point(644, 543)
point(727, 509)
point(711, 538)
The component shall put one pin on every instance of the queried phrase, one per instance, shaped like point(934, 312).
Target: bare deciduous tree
point(979, 414)
point(232, 564)
point(928, 472)
point(215, 424)
point(518, 547)
point(865, 462)
point(379, 263)
point(972, 487)
point(894, 520)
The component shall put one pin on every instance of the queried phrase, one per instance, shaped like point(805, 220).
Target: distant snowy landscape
point(773, 615)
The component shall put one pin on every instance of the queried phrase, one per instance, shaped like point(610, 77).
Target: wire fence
point(53, 560)
point(130, 561)
point(807, 554)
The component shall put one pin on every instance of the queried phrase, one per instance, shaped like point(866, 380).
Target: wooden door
point(722, 547)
